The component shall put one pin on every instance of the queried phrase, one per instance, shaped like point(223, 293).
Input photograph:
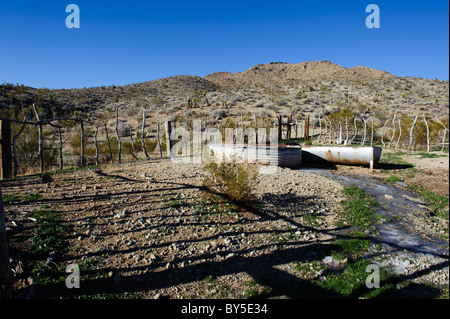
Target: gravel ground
point(147, 227)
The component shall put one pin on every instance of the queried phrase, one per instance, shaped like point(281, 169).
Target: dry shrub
point(27, 151)
point(231, 181)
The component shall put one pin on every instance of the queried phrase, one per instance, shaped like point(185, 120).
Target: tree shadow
point(99, 172)
point(262, 266)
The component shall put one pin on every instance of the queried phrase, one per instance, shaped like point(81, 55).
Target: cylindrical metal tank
point(364, 156)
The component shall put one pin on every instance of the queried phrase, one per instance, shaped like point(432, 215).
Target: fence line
point(316, 130)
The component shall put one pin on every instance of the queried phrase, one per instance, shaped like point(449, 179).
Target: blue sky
point(124, 42)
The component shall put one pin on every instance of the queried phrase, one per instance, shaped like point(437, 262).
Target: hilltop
point(318, 87)
point(280, 72)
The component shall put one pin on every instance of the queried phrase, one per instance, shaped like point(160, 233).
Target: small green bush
point(48, 232)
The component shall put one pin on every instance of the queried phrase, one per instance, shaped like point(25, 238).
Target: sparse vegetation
point(232, 181)
point(351, 281)
point(48, 232)
point(393, 179)
point(359, 208)
point(439, 204)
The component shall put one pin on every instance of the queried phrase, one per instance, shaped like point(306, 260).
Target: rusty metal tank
point(363, 156)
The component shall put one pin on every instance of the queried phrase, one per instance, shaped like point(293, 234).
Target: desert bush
point(124, 129)
point(127, 147)
point(220, 113)
point(28, 151)
point(260, 103)
point(75, 143)
point(232, 181)
point(89, 151)
point(150, 145)
point(272, 107)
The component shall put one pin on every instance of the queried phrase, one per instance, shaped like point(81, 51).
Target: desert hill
point(305, 88)
point(321, 90)
point(279, 72)
point(59, 102)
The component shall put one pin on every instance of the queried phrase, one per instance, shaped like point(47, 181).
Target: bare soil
point(146, 230)
point(433, 173)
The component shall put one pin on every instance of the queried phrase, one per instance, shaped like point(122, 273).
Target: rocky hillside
point(324, 88)
point(95, 100)
point(279, 72)
point(320, 88)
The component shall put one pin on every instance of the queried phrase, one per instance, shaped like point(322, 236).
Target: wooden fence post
point(159, 140)
point(445, 133)
point(280, 128)
point(5, 149)
point(96, 145)
point(256, 128)
point(168, 140)
point(109, 144)
point(399, 133)
point(61, 165)
point(119, 156)
point(41, 139)
point(143, 135)
point(289, 123)
point(306, 133)
point(5, 268)
point(393, 129)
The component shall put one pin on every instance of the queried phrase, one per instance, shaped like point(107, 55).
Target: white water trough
point(282, 155)
point(293, 156)
point(363, 156)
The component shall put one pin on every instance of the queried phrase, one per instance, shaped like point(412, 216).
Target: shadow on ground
point(262, 267)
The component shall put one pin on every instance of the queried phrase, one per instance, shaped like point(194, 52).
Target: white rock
point(327, 260)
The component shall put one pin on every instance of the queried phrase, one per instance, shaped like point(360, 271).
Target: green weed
point(48, 232)
point(353, 245)
point(430, 155)
point(439, 204)
point(393, 179)
point(359, 208)
point(352, 281)
point(20, 198)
